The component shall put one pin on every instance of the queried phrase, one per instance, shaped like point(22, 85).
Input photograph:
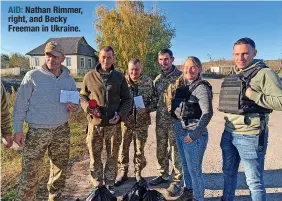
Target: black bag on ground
point(101, 194)
point(136, 192)
point(153, 195)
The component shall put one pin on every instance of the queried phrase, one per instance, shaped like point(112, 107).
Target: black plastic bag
point(136, 192)
point(153, 195)
point(101, 194)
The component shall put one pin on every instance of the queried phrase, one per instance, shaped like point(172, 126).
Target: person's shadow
point(272, 179)
point(270, 197)
point(214, 181)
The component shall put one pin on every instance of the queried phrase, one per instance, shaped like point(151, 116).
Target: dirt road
point(78, 186)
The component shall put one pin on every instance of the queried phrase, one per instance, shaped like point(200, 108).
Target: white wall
point(215, 69)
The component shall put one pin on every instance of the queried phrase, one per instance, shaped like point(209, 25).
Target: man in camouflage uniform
point(6, 129)
point(135, 126)
point(164, 125)
point(109, 88)
point(38, 103)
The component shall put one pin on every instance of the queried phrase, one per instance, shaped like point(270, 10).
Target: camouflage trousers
point(56, 141)
point(167, 149)
point(139, 136)
point(95, 140)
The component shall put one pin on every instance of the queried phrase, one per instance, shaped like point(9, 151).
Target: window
point(68, 61)
point(82, 62)
point(89, 63)
point(36, 61)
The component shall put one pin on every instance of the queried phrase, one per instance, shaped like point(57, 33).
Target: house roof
point(71, 46)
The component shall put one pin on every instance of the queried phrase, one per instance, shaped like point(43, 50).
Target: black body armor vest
point(181, 107)
point(232, 97)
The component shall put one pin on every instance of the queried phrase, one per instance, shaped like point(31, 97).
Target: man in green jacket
point(6, 129)
point(259, 91)
point(109, 88)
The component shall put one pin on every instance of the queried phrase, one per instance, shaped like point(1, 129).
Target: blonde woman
point(189, 101)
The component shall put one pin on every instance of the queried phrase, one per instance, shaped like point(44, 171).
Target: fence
point(10, 71)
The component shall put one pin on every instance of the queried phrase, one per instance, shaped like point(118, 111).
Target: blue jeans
point(236, 148)
point(191, 156)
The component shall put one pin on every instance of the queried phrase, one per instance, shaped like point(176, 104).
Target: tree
point(18, 60)
point(133, 33)
point(5, 61)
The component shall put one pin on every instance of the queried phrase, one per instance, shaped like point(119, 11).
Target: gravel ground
point(78, 186)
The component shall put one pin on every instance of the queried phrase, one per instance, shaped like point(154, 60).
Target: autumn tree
point(133, 33)
point(18, 60)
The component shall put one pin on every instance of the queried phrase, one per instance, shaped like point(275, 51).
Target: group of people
point(183, 104)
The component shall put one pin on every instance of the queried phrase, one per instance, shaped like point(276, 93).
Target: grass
point(9, 195)
point(11, 160)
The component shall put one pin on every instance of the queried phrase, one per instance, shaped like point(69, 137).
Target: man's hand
point(90, 110)
point(141, 111)
point(19, 138)
point(72, 107)
point(188, 140)
point(9, 140)
point(249, 92)
point(115, 119)
point(95, 112)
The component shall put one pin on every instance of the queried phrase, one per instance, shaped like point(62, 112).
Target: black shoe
point(121, 179)
point(157, 180)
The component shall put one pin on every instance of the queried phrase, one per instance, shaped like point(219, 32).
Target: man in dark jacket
point(109, 88)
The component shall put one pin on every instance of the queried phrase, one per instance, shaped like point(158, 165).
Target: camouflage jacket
point(142, 87)
point(6, 128)
point(161, 83)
